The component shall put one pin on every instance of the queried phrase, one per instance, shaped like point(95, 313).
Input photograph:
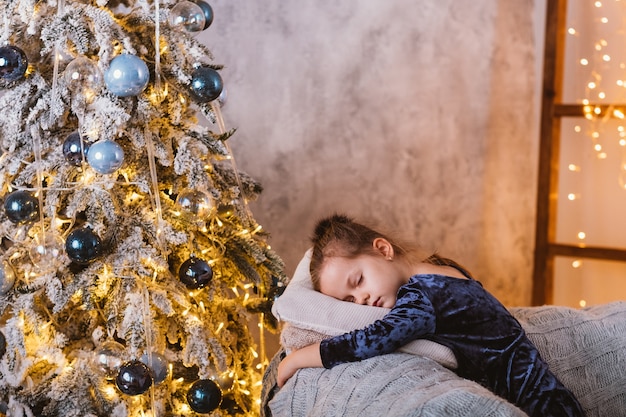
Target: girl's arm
point(307, 357)
point(412, 317)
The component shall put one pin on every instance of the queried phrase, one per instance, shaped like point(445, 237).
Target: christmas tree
point(131, 269)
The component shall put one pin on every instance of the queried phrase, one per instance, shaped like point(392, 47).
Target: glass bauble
point(74, 149)
point(108, 359)
point(7, 277)
point(83, 245)
point(46, 251)
point(195, 273)
point(13, 63)
point(134, 378)
point(105, 156)
point(21, 206)
point(127, 75)
point(195, 201)
point(188, 16)
point(223, 97)
point(204, 396)
point(206, 84)
point(208, 13)
point(159, 366)
point(225, 380)
point(83, 74)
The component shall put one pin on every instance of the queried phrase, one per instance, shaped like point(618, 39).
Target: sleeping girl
point(434, 299)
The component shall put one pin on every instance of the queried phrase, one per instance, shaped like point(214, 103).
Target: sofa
point(585, 348)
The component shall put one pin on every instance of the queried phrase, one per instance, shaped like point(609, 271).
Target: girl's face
point(372, 280)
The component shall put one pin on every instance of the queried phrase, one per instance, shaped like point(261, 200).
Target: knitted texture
point(397, 384)
point(586, 349)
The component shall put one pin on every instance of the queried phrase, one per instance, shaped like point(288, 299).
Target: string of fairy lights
point(131, 379)
point(595, 76)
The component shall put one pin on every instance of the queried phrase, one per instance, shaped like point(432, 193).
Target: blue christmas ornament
point(83, 246)
point(134, 378)
point(127, 75)
point(208, 13)
point(21, 206)
point(105, 156)
point(204, 396)
point(74, 150)
point(3, 345)
point(195, 273)
point(206, 84)
point(13, 63)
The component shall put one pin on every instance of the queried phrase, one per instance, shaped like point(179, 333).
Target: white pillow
point(303, 307)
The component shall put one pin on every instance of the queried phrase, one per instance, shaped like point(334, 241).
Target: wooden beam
point(594, 252)
point(599, 110)
point(549, 143)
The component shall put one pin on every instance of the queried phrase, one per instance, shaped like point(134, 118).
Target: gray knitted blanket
point(586, 349)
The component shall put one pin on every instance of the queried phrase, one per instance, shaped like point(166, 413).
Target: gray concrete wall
point(420, 116)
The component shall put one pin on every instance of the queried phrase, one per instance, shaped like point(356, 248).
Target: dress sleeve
point(412, 317)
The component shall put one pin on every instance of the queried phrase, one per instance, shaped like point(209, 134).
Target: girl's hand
point(307, 357)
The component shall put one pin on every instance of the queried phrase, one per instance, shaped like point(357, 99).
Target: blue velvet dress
point(489, 343)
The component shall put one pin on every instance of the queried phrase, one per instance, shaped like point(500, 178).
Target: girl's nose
point(362, 299)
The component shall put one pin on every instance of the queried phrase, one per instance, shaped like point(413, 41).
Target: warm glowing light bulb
point(581, 235)
point(571, 196)
point(109, 391)
point(571, 31)
point(582, 303)
point(602, 94)
point(573, 167)
point(577, 129)
point(598, 4)
point(606, 58)
point(577, 263)
point(584, 61)
point(591, 85)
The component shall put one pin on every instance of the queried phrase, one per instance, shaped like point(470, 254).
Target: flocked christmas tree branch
point(131, 267)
